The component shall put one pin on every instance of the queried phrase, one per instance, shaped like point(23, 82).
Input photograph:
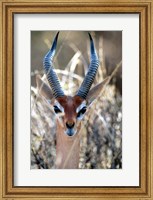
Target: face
point(71, 110)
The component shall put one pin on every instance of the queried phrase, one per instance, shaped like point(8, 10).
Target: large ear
point(43, 88)
point(96, 91)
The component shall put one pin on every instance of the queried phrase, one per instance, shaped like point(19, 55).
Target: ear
point(96, 91)
point(43, 88)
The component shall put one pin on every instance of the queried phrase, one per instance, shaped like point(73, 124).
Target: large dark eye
point(82, 111)
point(57, 110)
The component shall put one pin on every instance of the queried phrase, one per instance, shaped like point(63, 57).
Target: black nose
point(69, 124)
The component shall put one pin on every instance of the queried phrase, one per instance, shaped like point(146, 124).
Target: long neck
point(67, 149)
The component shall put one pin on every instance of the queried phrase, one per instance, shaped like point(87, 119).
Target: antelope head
point(71, 109)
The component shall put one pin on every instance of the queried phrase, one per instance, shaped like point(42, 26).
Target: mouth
point(70, 132)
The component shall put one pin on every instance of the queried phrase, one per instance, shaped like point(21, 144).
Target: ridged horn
point(49, 70)
point(89, 78)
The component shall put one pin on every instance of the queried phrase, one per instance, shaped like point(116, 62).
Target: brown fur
point(70, 105)
point(67, 149)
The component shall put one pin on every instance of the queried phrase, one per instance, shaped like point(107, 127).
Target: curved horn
point(89, 78)
point(51, 75)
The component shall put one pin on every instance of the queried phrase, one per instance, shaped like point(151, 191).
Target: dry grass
point(101, 140)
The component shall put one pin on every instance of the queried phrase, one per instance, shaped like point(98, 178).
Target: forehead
point(70, 102)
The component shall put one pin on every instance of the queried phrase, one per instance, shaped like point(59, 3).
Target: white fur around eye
point(83, 104)
point(81, 111)
point(59, 106)
point(80, 118)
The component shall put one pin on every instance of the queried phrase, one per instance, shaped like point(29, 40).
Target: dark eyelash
point(57, 110)
point(82, 111)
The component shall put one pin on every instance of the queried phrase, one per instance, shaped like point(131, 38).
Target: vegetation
point(101, 139)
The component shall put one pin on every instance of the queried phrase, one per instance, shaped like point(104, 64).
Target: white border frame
point(129, 24)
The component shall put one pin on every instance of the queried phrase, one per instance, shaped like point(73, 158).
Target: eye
point(57, 110)
point(82, 111)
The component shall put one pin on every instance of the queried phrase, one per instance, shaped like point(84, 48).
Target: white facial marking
point(81, 114)
point(80, 117)
point(83, 104)
point(61, 113)
point(59, 106)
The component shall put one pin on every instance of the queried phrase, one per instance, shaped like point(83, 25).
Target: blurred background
point(101, 141)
